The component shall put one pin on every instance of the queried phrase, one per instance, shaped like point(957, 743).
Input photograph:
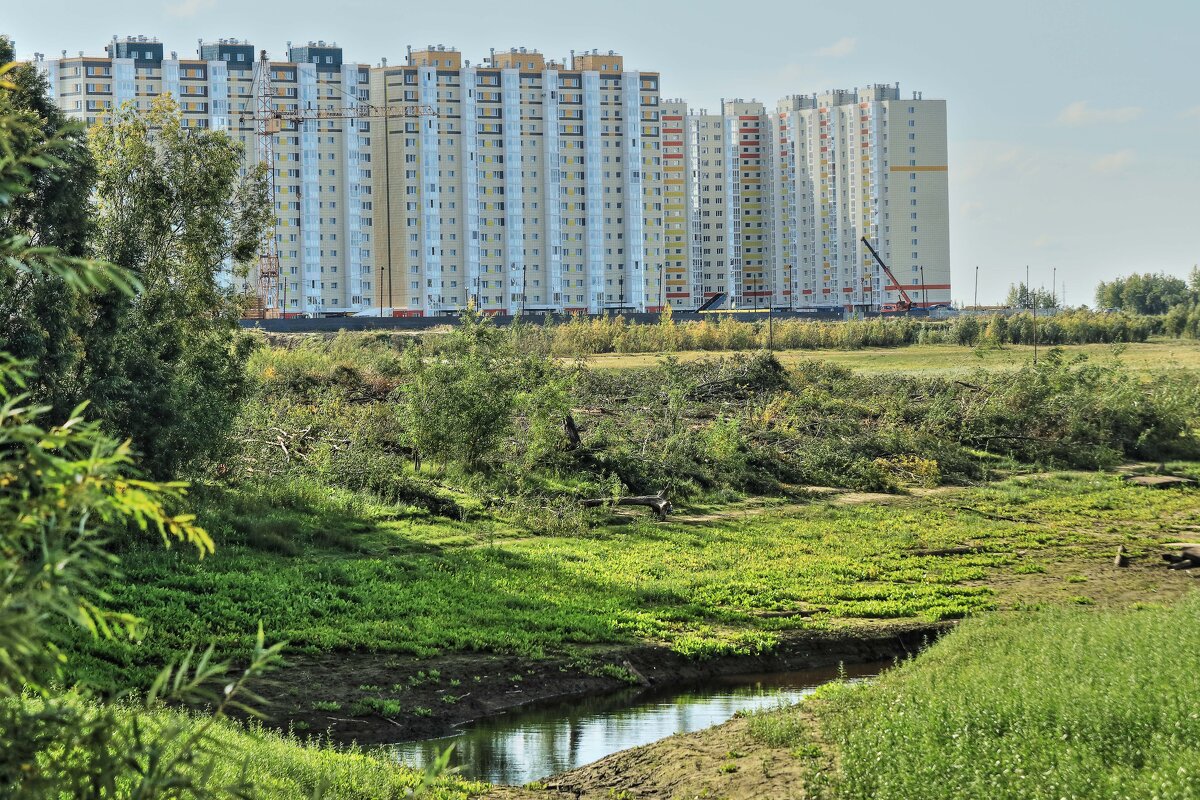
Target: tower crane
point(269, 120)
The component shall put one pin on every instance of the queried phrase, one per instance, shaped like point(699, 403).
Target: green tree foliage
point(39, 320)
point(1022, 296)
point(459, 405)
point(165, 367)
point(1149, 293)
point(65, 489)
point(582, 337)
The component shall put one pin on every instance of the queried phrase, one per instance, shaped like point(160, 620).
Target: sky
point(1073, 126)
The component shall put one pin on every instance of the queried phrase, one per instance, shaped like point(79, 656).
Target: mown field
point(952, 359)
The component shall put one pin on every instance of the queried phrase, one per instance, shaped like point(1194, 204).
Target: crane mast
point(267, 301)
point(268, 121)
point(906, 302)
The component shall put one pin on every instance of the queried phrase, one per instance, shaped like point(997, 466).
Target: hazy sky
point(1074, 126)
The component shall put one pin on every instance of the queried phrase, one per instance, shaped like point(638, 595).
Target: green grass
point(949, 359)
point(284, 766)
point(726, 583)
point(1049, 705)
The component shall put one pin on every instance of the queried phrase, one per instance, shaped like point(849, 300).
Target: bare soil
point(719, 762)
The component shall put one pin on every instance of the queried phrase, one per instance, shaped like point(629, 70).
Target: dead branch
point(657, 502)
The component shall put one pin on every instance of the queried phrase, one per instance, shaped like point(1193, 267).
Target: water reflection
point(541, 741)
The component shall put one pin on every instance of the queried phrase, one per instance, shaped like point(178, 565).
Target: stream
point(536, 742)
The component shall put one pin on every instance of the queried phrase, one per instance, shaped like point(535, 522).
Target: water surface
point(538, 741)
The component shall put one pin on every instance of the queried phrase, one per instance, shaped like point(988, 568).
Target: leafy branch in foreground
point(67, 491)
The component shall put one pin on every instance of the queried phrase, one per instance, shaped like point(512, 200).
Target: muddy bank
point(377, 699)
point(724, 761)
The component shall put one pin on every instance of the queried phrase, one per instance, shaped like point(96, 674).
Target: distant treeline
point(582, 336)
point(1177, 301)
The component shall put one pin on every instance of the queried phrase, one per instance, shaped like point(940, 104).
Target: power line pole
point(771, 315)
point(1032, 301)
point(976, 287)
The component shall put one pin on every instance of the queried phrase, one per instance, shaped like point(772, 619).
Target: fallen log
point(1186, 558)
point(660, 504)
point(961, 550)
point(1160, 481)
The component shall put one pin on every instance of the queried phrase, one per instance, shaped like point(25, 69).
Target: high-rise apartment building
point(537, 187)
point(678, 288)
point(542, 185)
point(720, 204)
point(862, 163)
point(771, 209)
point(321, 170)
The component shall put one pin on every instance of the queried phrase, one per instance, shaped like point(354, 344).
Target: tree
point(1021, 296)
point(66, 489)
point(166, 366)
point(39, 319)
point(459, 405)
point(1147, 293)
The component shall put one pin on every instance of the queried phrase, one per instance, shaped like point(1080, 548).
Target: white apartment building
point(862, 163)
point(769, 210)
point(322, 171)
point(566, 186)
point(537, 187)
point(720, 204)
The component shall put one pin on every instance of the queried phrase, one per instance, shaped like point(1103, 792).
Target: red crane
point(905, 305)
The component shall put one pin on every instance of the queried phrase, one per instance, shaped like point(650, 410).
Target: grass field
point(952, 359)
point(729, 582)
point(274, 765)
point(1056, 704)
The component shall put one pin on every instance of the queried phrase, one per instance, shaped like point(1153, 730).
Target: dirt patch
point(720, 762)
point(372, 698)
point(1092, 579)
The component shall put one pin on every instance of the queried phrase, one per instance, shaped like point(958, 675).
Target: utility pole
point(976, 287)
point(379, 289)
point(1033, 307)
point(1054, 286)
point(771, 315)
point(924, 288)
